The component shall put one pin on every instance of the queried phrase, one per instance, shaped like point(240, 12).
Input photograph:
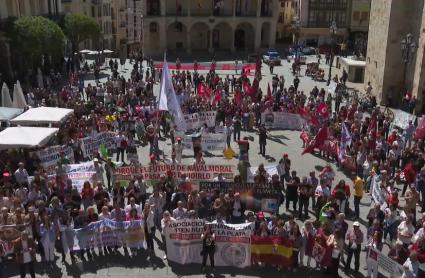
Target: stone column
point(258, 8)
point(272, 34)
point(257, 35)
point(163, 5)
point(189, 2)
point(163, 34)
point(232, 40)
point(188, 42)
point(234, 8)
point(210, 46)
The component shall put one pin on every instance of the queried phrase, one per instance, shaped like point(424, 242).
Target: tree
point(78, 28)
point(35, 37)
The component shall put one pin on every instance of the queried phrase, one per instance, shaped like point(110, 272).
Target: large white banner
point(197, 120)
point(82, 167)
point(282, 120)
point(50, 156)
point(77, 179)
point(378, 194)
point(401, 118)
point(89, 145)
point(209, 141)
point(233, 242)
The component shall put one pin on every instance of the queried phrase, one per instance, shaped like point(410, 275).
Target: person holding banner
point(48, 238)
point(24, 249)
point(355, 240)
point(149, 227)
point(166, 220)
point(208, 247)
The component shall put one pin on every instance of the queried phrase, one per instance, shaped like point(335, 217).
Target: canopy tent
point(42, 115)
point(25, 137)
point(7, 113)
point(6, 100)
point(18, 96)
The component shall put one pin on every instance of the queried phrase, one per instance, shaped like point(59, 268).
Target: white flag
point(18, 96)
point(168, 100)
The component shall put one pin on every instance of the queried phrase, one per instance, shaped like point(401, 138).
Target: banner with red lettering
point(153, 172)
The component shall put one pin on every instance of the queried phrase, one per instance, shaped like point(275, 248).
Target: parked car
point(272, 55)
point(308, 51)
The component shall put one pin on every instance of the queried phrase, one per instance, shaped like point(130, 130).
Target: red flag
point(246, 87)
point(318, 141)
point(217, 97)
point(420, 130)
point(254, 90)
point(323, 110)
point(201, 89)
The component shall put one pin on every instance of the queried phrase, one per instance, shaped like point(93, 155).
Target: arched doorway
point(265, 34)
point(199, 36)
point(244, 37)
point(152, 40)
point(221, 37)
point(240, 39)
point(176, 36)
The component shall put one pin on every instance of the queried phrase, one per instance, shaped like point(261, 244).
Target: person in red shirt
point(409, 175)
point(87, 195)
point(392, 138)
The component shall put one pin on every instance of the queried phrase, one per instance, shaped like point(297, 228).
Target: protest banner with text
point(50, 156)
point(89, 145)
point(154, 172)
point(198, 120)
point(209, 141)
point(282, 120)
point(106, 233)
point(233, 242)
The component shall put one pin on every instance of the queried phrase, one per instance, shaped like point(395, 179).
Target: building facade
point(316, 16)
point(387, 71)
point(359, 25)
point(209, 25)
point(101, 11)
point(18, 8)
point(288, 14)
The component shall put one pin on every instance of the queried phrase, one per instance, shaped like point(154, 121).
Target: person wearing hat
point(354, 241)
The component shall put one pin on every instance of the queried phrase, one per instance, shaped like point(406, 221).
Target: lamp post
point(408, 47)
point(333, 30)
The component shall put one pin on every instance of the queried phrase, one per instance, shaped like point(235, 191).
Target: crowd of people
point(39, 208)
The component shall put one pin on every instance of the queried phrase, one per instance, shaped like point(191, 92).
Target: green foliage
point(34, 36)
point(79, 27)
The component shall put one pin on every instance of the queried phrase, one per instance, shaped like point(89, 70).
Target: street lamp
point(408, 47)
point(333, 30)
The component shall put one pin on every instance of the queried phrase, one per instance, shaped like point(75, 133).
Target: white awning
point(25, 137)
point(42, 115)
point(7, 113)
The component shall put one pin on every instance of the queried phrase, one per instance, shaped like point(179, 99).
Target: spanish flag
point(273, 250)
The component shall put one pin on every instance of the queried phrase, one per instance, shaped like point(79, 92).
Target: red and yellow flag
point(272, 250)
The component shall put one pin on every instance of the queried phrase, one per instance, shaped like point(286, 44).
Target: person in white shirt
point(411, 266)
point(405, 230)
point(166, 219)
point(21, 174)
point(149, 226)
point(180, 212)
point(132, 205)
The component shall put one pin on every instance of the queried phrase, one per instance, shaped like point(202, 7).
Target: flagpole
point(156, 126)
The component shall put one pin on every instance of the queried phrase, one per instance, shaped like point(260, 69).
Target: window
point(356, 16)
point(153, 27)
point(365, 16)
point(282, 4)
